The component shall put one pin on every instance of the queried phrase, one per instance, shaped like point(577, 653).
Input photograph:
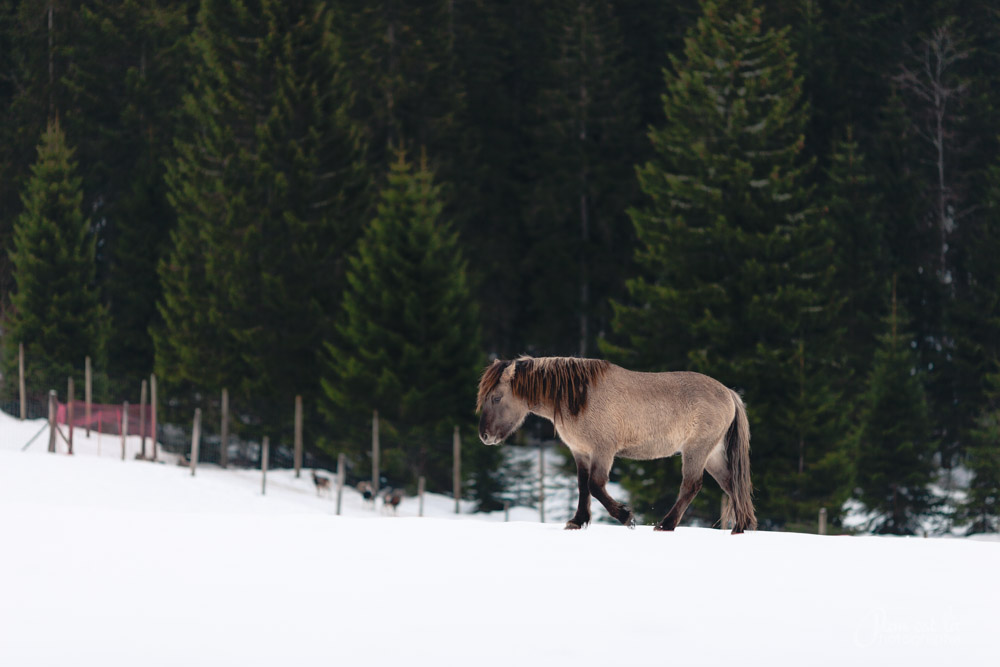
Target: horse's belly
point(646, 451)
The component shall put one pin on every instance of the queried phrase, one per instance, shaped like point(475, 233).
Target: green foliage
point(407, 341)
point(269, 193)
point(124, 81)
point(56, 312)
point(893, 447)
point(577, 239)
point(735, 266)
point(981, 509)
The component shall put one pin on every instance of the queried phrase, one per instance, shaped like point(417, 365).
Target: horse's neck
point(544, 409)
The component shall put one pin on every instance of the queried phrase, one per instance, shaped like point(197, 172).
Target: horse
point(391, 501)
point(367, 492)
point(322, 484)
point(602, 411)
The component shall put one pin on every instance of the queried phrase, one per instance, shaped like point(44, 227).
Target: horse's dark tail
point(740, 510)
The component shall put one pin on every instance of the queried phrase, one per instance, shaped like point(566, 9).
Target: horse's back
point(654, 415)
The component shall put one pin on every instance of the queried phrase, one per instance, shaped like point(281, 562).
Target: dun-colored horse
point(602, 411)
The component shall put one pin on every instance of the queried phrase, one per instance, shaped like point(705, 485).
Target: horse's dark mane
point(563, 381)
point(489, 380)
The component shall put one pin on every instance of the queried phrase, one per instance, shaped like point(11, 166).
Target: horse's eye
point(496, 399)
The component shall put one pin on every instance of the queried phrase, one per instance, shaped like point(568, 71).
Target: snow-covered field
point(104, 562)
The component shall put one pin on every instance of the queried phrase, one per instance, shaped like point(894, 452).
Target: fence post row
point(22, 399)
point(142, 420)
point(152, 409)
point(263, 465)
point(224, 440)
point(124, 426)
point(52, 420)
point(375, 453)
point(541, 483)
point(298, 436)
point(456, 447)
point(69, 412)
point(88, 391)
point(421, 482)
point(340, 480)
point(195, 439)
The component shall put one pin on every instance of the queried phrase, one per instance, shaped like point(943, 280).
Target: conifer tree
point(981, 510)
point(269, 191)
point(893, 443)
point(407, 341)
point(578, 235)
point(125, 81)
point(734, 265)
point(56, 312)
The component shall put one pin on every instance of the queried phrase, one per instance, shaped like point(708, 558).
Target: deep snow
point(104, 562)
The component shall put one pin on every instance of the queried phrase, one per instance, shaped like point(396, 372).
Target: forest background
point(363, 203)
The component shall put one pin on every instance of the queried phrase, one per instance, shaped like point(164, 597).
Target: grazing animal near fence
point(391, 501)
point(322, 484)
point(601, 411)
point(367, 492)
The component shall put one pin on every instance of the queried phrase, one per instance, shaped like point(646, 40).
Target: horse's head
point(502, 411)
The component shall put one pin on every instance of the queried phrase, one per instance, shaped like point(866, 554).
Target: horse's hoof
point(572, 526)
point(630, 522)
point(662, 529)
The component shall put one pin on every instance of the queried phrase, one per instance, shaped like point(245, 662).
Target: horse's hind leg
point(582, 516)
point(692, 472)
point(599, 473)
point(717, 467)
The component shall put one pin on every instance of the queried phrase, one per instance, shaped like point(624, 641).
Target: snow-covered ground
point(105, 562)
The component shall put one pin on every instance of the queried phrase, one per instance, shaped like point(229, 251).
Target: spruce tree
point(55, 308)
point(893, 441)
point(578, 236)
point(407, 341)
point(980, 511)
point(269, 194)
point(125, 81)
point(735, 266)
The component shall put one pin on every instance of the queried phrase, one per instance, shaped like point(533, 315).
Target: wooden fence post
point(506, 510)
point(69, 412)
point(142, 419)
point(421, 482)
point(263, 465)
point(152, 410)
point(124, 426)
point(88, 391)
point(298, 436)
point(375, 453)
point(195, 439)
point(52, 420)
point(22, 398)
point(541, 483)
point(224, 439)
point(822, 521)
point(340, 480)
point(456, 449)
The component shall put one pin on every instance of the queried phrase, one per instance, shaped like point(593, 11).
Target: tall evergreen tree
point(404, 67)
point(407, 342)
point(735, 266)
point(980, 511)
point(269, 192)
point(124, 82)
point(56, 312)
point(893, 439)
point(578, 236)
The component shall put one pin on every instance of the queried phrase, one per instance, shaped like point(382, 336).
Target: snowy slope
point(104, 562)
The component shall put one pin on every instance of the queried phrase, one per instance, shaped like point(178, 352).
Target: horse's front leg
point(599, 473)
point(582, 516)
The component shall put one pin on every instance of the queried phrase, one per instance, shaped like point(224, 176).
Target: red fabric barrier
point(106, 418)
